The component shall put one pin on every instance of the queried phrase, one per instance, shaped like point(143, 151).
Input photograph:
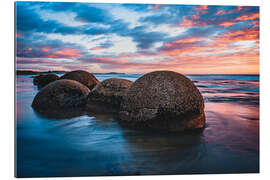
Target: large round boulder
point(61, 95)
point(86, 78)
point(165, 101)
point(44, 79)
point(108, 95)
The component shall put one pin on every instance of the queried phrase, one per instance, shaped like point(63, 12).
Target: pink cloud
point(246, 17)
point(46, 48)
point(187, 23)
point(239, 35)
point(192, 21)
point(156, 6)
point(96, 48)
point(202, 7)
point(227, 23)
point(68, 53)
point(221, 12)
point(238, 9)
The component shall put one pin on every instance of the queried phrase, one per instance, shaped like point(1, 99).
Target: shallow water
point(95, 144)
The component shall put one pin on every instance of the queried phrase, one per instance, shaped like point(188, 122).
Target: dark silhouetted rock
point(86, 78)
point(44, 79)
point(21, 72)
point(165, 101)
point(59, 96)
point(108, 95)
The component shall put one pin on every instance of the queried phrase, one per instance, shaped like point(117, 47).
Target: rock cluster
point(160, 100)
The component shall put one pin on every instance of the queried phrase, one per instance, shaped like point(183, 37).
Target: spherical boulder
point(44, 79)
point(108, 95)
point(164, 101)
point(60, 95)
point(86, 78)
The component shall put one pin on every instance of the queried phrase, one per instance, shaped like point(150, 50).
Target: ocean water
point(95, 144)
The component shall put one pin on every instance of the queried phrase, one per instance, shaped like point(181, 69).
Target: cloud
point(215, 15)
point(136, 37)
point(221, 12)
point(239, 35)
point(227, 23)
point(49, 52)
point(247, 17)
point(156, 6)
point(38, 46)
point(202, 8)
point(28, 21)
point(143, 38)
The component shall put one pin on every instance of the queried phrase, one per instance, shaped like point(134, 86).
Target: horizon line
point(145, 72)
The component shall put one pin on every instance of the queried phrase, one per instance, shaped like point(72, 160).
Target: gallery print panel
point(108, 89)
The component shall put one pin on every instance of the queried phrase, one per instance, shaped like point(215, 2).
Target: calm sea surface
point(95, 144)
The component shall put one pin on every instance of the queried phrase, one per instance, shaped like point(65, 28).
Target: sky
point(137, 38)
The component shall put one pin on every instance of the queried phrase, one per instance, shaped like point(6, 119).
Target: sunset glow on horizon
point(137, 38)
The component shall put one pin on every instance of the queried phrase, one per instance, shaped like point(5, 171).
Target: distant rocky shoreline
point(23, 72)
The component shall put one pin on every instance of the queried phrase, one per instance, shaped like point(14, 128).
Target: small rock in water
point(61, 95)
point(86, 78)
point(165, 101)
point(44, 79)
point(108, 95)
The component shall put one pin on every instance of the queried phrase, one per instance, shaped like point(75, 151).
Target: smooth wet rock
point(165, 101)
point(86, 78)
point(108, 95)
point(59, 96)
point(44, 79)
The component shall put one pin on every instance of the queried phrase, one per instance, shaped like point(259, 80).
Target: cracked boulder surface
point(60, 96)
point(86, 78)
point(108, 95)
point(163, 101)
